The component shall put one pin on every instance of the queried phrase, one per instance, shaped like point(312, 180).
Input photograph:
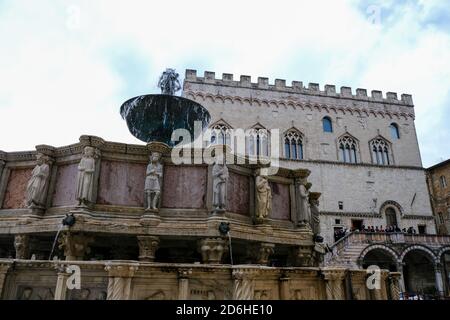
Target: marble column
point(284, 282)
point(212, 250)
point(61, 283)
point(119, 284)
point(147, 247)
point(402, 278)
point(394, 285)
point(243, 284)
point(183, 283)
point(334, 283)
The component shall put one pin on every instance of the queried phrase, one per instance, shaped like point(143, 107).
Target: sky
point(67, 66)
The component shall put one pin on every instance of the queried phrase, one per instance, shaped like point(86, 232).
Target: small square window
point(341, 205)
point(337, 221)
point(422, 229)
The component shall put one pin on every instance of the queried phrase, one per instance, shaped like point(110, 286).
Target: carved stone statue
point(168, 82)
point(37, 185)
point(263, 197)
point(21, 244)
point(220, 178)
point(152, 187)
point(86, 174)
point(303, 198)
point(315, 219)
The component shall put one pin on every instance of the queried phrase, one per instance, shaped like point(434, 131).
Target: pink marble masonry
point(184, 187)
point(238, 194)
point(16, 188)
point(121, 183)
point(66, 183)
point(281, 209)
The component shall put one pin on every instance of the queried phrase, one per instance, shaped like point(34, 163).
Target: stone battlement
point(298, 87)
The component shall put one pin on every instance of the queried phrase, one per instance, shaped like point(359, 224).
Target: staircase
point(346, 251)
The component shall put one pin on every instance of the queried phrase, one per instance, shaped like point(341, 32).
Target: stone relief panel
point(238, 194)
point(209, 289)
point(121, 183)
point(156, 287)
point(184, 187)
point(66, 182)
point(16, 188)
point(281, 208)
point(34, 293)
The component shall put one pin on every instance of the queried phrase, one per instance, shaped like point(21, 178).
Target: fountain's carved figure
point(169, 82)
point(263, 196)
point(220, 178)
point(153, 178)
point(37, 185)
point(305, 212)
point(86, 175)
point(315, 219)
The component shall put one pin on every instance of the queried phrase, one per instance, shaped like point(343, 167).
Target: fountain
point(154, 117)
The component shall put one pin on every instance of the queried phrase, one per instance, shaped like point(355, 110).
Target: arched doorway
point(391, 217)
point(419, 273)
point(381, 258)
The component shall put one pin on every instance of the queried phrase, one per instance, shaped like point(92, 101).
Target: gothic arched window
point(327, 124)
point(257, 142)
point(293, 145)
point(220, 134)
point(381, 153)
point(348, 149)
point(395, 132)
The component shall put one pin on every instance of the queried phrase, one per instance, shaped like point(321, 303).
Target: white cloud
point(58, 79)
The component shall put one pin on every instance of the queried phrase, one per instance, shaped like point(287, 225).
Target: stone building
point(437, 177)
point(364, 158)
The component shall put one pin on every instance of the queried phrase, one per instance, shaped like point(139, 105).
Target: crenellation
point(263, 83)
point(210, 76)
point(361, 93)
point(330, 90)
point(377, 95)
point(246, 81)
point(314, 87)
point(191, 74)
point(280, 84)
point(346, 92)
point(227, 76)
point(297, 87)
point(391, 95)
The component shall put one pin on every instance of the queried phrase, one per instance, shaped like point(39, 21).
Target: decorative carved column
point(183, 283)
point(394, 285)
point(212, 250)
point(119, 285)
point(147, 247)
point(359, 287)
point(334, 283)
point(381, 294)
point(61, 283)
point(22, 246)
point(4, 267)
point(75, 245)
point(243, 286)
point(284, 282)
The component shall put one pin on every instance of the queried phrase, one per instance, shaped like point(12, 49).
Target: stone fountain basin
point(154, 117)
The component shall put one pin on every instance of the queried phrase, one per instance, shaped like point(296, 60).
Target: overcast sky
point(67, 66)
